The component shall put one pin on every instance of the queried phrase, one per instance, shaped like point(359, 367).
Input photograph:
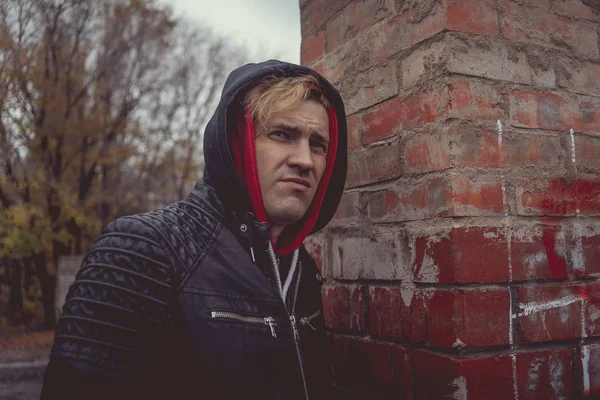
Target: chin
point(286, 215)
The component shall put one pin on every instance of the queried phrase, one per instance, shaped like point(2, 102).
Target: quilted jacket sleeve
point(116, 316)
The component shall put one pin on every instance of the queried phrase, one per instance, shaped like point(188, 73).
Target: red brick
point(397, 115)
point(545, 375)
point(558, 197)
point(312, 48)
point(590, 366)
point(550, 30)
point(359, 15)
point(348, 211)
point(471, 318)
point(371, 369)
point(440, 317)
point(480, 148)
point(553, 111)
point(592, 309)
point(475, 16)
point(576, 8)
point(549, 313)
point(389, 311)
point(426, 153)
point(443, 377)
point(587, 153)
point(474, 197)
point(405, 30)
point(410, 200)
point(370, 87)
point(345, 307)
point(373, 164)
point(333, 65)
point(474, 101)
point(584, 249)
point(354, 131)
point(315, 13)
point(382, 121)
point(378, 257)
point(538, 252)
point(460, 99)
point(461, 255)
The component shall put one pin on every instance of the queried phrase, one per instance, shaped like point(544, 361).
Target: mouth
point(298, 181)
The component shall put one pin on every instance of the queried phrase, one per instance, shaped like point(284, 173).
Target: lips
point(299, 181)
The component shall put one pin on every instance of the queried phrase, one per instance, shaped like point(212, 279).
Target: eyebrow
point(296, 129)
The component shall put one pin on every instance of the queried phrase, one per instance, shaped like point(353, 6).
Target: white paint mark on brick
point(437, 238)
point(514, 372)
point(557, 374)
point(533, 261)
point(574, 160)
point(577, 258)
point(509, 250)
point(533, 307)
point(356, 318)
point(429, 271)
point(593, 314)
point(585, 362)
point(499, 125)
point(510, 318)
point(572, 133)
point(460, 388)
point(504, 198)
point(459, 344)
point(583, 327)
point(407, 291)
point(533, 375)
point(490, 235)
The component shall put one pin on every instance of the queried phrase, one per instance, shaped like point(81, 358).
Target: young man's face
point(291, 151)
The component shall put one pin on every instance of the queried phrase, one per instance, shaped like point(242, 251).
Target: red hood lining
point(244, 156)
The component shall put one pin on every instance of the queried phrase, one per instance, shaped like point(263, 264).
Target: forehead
point(308, 115)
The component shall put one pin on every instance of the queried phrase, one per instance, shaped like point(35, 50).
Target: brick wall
point(463, 261)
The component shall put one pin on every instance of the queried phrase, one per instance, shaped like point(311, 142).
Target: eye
point(319, 147)
point(279, 135)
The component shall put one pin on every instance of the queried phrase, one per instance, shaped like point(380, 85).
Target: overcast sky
point(270, 28)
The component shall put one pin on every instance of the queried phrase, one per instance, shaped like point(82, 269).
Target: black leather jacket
point(170, 304)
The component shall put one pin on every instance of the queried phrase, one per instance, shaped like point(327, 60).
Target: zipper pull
point(306, 321)
point(294, 327)
point(271, 322)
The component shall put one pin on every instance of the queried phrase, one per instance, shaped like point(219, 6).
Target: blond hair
point(276, 93)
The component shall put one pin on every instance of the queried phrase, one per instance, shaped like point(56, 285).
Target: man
point(214, 297)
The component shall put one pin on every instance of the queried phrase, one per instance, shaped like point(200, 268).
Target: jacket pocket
point(235, 317)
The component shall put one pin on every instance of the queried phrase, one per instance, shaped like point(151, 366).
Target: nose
point(301, 156)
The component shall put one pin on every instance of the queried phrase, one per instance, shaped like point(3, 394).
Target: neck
point(275, 232)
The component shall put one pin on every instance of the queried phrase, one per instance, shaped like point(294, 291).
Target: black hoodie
point(181, 302)
point(219, 170)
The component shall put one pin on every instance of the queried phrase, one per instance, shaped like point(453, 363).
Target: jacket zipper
point(270, 321)
point(292, 318)
point(306, 320)
point(295, 329)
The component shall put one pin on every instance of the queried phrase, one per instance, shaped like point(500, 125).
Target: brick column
point(464, 259)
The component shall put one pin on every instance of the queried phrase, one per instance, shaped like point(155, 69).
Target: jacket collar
point(245, 227)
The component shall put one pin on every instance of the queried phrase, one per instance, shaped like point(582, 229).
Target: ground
point(23, 359)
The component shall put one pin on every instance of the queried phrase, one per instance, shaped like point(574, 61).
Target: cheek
point(320, 164)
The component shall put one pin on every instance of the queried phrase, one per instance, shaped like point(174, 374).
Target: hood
point(220, 171)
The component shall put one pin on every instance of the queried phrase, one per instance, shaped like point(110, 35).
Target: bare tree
point(102, 108)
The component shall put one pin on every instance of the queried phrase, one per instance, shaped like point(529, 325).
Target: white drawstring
point(288, 281)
